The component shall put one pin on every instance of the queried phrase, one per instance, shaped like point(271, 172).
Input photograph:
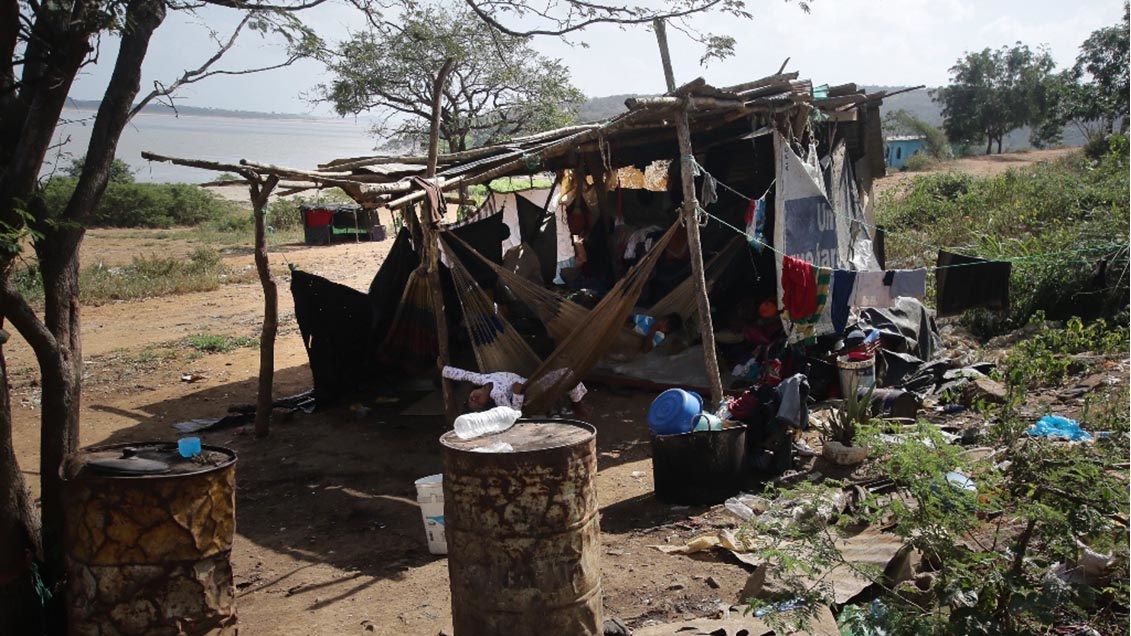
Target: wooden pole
point(690, 205)
point(432, 246)
point(260, 191)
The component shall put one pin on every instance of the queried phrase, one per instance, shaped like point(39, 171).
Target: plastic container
point(672, 410)
point(188, 447)
point(706, 422)
point(855, 374)
point(496, 420)
point(430, 496)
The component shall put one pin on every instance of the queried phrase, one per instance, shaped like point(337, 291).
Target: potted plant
point(839, 440)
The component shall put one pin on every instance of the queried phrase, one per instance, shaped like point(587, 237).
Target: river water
point(294, 143)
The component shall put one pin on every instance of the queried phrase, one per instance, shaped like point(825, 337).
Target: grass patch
point(219, 343)
point(1056, 221)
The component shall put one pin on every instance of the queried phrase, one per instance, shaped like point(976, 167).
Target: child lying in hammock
point(502, 388)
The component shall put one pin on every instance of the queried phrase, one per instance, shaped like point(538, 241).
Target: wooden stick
point(690, 206)
point(431, 241)
point(260, 192)
point(671, 103)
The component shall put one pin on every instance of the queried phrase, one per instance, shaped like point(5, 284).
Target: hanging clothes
point(708, 194)
point(977, 283)
point(756, 224)
point(844, 285)
point(799, 287)
point(880, 289)
point(819, 322)
point(909, 282)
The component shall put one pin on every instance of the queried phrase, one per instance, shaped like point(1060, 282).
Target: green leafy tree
point(43, 48)
point(1092, 96)
point(498, 86)
point(994, 92)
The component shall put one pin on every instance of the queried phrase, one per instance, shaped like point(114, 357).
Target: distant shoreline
point(200, 111)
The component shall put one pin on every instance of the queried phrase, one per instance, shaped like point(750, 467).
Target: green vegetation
point(1052, 354)
point(1055, 221)
point(993, 92)
point(219, 343)
point(498, 86)
point(901, 122)
point(155, 205)
point(145, 277)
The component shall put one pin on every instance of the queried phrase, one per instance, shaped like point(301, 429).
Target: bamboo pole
point(690, 205)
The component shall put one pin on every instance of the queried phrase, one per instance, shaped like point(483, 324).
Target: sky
point(870, 42)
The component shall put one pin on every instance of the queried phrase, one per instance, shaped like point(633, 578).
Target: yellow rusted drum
point(523, 533)
point(148, 541)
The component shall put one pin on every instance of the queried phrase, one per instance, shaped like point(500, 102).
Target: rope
point(1016, 259)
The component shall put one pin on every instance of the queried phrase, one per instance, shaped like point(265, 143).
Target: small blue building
point(898, 149)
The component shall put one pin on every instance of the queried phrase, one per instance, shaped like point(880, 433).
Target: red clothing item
point(799, 287)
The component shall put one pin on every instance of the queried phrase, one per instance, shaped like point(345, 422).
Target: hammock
point(497, 345)
point(411, 341)
point(590, 340)
point(560, 315)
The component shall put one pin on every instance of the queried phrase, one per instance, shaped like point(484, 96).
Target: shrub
point(1063, 224)
point(919, 162)
point(129, 204)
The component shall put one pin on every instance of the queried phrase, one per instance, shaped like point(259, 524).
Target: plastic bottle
point(494, 420)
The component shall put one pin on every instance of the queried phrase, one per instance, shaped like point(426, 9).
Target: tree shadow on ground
point(337, 486)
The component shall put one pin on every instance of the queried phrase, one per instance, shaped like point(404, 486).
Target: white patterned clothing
point(502, 384)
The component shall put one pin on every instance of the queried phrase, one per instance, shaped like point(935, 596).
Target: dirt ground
point(330, 538)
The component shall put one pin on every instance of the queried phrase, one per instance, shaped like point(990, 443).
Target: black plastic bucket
point(700, 467)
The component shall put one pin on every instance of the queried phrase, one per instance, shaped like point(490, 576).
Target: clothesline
point(1095, 248)
point(933, 267)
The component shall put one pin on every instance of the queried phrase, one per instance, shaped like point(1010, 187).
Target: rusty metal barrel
point(523, 532)
point(148, 541)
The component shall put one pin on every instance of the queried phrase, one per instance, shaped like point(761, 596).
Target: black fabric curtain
point(334, 321)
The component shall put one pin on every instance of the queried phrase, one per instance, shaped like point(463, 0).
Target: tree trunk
point(999, 143)
point(989, 144)
point(265, 396)
point(60, 380)
point(20, 610)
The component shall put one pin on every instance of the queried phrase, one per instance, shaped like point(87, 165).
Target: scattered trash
point(430, 496)
point(193, 377)
point(637, 474)
point(745, 506)
point(948, 409)
point(1057, 427)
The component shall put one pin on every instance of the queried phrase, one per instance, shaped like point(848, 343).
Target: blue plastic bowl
point(672, 410)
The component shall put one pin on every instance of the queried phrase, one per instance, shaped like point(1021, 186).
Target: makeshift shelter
point(785, 165)
point(616, 189)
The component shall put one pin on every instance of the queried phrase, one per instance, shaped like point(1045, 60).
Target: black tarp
point(335, 322)
point(539, 230)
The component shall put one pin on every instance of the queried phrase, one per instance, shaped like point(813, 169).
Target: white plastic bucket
point(430, 496)
point(855, 374)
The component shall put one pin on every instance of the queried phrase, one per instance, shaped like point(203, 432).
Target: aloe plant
point(853, 412)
